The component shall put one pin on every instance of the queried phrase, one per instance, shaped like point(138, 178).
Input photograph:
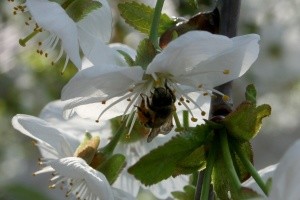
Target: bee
point(156, 112)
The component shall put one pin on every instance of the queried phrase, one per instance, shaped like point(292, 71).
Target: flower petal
point(285, 184)
point(53, 18)
point(187, 51)
point(103, 83)
point(98, 23)
point(44, 132)
point(225, 66)
point(97, 51)
point(121, 195)
point(78, 170)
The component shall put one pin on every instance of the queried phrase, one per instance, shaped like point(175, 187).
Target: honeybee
point(155, 112)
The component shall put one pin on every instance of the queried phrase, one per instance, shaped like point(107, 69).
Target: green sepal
point(250, 94)
point(78, 9)
point(187, 193)
point(127, 58)
point(112, 167)
point(166, 160)
point(145, 53)
point(88, 148)
point(245, 122)
point(140, 17)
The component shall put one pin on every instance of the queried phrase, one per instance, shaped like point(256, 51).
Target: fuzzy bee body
point(155, 112)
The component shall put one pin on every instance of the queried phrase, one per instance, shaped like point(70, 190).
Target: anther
point(225, 98)
point(194, 119)
point(226, 71)
point(203, 113)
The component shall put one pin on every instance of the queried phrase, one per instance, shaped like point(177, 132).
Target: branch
point(229, 14)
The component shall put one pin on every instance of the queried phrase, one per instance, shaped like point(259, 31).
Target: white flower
point(51, 18)
point(57, 148)
point(133, 151)
point(285, 181)
point(194, 62)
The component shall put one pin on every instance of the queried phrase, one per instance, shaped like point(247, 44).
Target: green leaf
point(140, 17)
point(112, 167)
point(245, 122)
point(251, 94)
point(195, 161)
point(21, 192)
point(78, 9)
point(145, 53)
point(164, 161)
point(188, 193)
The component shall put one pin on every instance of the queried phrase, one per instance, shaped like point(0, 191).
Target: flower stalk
point(228, 160)
point(155, 23)
point(249, 167)
point(207, 175)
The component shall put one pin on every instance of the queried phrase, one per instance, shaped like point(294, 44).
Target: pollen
point(226, 71)
point(225, 98)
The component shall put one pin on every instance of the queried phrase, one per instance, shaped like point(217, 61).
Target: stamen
point(23, 41)
point(112, 104)
point(65, 65)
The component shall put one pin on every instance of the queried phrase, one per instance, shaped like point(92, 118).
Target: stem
point(250, 168)
point(207, 175)
point(109, 148)
point(153, 37)
point(185, 116)
point(228, 160)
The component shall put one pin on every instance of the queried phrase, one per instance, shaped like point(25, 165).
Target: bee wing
point(163, 129)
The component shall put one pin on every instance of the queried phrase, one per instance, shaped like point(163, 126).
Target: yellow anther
point(225, 98)
point(194, 119)
point(226, 71)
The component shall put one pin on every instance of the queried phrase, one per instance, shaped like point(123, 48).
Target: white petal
point(96, 82)
point(53, 113)
point(77, 168)
point(285, 184)
point(121, 195)
point(44, 132)
point(98, 23)
point(53, 18)
point(122, 47)
point(187, 51)
point(86, 108)
point(237, 60)
point(97, 51)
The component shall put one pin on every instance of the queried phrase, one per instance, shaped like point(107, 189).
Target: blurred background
point(28, 82)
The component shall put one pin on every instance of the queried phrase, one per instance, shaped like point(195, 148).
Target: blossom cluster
point(111, 83)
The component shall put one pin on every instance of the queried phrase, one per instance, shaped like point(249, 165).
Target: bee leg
point(170, 91)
